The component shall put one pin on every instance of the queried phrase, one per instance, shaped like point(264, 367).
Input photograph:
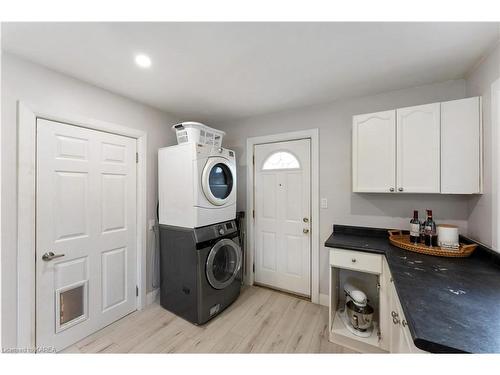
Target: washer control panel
point(211, 232)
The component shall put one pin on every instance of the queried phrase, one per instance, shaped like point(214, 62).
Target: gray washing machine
point(200, 270)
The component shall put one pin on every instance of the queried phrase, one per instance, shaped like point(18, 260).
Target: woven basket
point(397, 238)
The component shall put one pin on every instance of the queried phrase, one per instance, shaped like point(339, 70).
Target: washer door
point(223, 263)
point(217, 180)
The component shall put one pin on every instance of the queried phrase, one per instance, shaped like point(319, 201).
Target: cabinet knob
point(394, 314)
point(404, 323)
point(391, 189)
point(353, 260)
point(305, 230)
point(400, 189)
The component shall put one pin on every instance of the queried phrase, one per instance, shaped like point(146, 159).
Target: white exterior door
point(85, 231)
point(282, 215)
point(418, 160)
point(374, 152)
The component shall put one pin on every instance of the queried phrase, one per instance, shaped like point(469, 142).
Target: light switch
point(324, 203)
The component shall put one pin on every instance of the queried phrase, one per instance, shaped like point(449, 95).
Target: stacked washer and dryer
point(200, 253)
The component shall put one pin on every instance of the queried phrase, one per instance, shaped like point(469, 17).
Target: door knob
point(400, 189)
point(305, 220)
point(50, 255)
point(305, 230)
point(391, 189)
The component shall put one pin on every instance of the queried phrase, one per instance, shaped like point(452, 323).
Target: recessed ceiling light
point(143, 60)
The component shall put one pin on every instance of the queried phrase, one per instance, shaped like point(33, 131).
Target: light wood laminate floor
point(259, 321)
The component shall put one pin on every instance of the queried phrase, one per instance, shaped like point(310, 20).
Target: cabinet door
point(399, 343)
point(418, 145)
point(461, 146)
point(374, 152)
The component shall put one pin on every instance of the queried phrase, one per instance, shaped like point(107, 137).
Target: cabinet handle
point(400, 189)
point(391, 189)
point(353, 260)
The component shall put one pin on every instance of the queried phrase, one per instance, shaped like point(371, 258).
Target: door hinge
point(253, 268)
point(253, 214)
point(378, 287)
point(136, 291)
point(253, 159)
point(137, 157)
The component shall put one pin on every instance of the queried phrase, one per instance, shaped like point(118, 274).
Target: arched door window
point(281, 160)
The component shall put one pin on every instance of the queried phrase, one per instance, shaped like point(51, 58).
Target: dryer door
point(223, 263)
point(217, 180)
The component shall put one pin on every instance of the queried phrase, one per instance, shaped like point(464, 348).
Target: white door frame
point(313, 135)
point(495, 123)
point(26, 194)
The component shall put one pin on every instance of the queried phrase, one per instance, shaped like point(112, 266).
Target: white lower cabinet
point(371, 272)
point(399, 333)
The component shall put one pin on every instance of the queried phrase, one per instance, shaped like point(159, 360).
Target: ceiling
point(222, 71)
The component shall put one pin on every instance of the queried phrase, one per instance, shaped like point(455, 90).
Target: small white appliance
point(357, 314)
point(196, 185)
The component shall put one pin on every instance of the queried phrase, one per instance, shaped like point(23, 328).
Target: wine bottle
point(430, 234)
point(414, 228)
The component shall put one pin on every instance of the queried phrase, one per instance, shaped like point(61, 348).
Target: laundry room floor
point(260, 321)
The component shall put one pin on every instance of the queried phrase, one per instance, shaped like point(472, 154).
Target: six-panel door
point(85, 231)
point(374, 152)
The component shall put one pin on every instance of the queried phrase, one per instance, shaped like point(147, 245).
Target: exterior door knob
point(50, 255)
point(305, 230)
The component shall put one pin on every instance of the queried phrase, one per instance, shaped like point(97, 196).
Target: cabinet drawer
point(356, 260)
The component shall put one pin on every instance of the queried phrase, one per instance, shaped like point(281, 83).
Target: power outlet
point(324, 203)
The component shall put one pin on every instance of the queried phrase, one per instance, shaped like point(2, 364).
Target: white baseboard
point(324, 299)
point(151, 296)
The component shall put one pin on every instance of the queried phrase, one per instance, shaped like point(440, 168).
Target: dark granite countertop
point(451, 305)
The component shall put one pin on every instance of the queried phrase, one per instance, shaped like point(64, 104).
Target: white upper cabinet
point(418, 165)
point(431, 148)
point(461, 146)
point(374, 152)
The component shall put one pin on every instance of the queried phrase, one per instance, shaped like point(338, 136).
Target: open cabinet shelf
point(339, 334)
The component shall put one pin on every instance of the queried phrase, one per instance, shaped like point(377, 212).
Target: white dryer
point(196, 185)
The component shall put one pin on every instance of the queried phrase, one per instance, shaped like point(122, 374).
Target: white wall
point(483, 218)
point(50, 91)
point(334, 122)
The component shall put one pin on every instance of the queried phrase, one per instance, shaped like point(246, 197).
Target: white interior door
point(282, 215)
point(85, 231)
